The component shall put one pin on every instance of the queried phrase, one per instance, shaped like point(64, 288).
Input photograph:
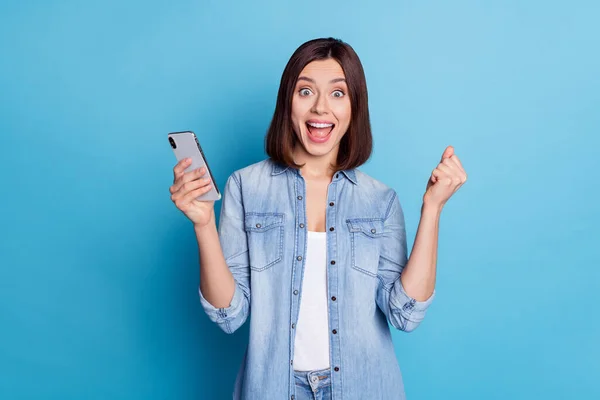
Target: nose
point(320, 105)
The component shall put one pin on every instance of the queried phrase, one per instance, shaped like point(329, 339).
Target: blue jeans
point(313, 385)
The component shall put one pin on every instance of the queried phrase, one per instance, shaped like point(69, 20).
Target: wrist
point(431, 207)
point(200, 228)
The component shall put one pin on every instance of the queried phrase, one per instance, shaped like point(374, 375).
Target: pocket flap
point(260, 222)
point(372, 227)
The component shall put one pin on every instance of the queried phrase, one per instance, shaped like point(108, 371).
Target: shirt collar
point(350, 174)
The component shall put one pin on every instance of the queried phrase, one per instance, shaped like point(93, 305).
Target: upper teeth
point(319, 125)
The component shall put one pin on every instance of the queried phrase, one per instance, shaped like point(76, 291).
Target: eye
point(338, 93)
point(305, 92)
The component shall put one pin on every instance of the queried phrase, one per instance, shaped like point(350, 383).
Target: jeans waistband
point(313, 379)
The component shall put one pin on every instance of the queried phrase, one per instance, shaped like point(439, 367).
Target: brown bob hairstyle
point(357, 144)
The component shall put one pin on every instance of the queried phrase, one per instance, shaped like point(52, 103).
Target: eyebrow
point(336, 80)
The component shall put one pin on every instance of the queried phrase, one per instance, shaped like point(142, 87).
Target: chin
point(318, 153)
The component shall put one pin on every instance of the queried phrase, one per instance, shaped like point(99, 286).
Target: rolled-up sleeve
point(402, 311)
point(232, 237)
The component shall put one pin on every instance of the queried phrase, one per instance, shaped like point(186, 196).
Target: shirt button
point(299, 258)
point(332, 262)
point(299, 197)
point(291, 362)
point(301, 225)
point(334, 331)
point(293, 326)
point(331, 229)
point(334, 298)
point(331, 204)
point(292, 397)
point(295, 292)
point(336, 369)
point(258, 225)
point(373, 231)
point(337, 175)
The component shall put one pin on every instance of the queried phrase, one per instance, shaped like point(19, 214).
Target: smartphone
point(185, 145)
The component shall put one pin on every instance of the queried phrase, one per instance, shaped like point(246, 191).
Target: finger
point(180, 167)
point(448, 152)
point(446, 170)
point(436, 175)
point(457, 162)
point(441, 175)
point(438, 172)
point(461, 171)
point(195, 193)
point(452, 165)
point(189, 186)
point(453, 175)
point(188, 177)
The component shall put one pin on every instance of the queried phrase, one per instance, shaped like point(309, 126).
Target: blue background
point(98, 269)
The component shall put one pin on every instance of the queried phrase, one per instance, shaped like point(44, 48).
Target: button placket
point(333, 272)
point(301, 224)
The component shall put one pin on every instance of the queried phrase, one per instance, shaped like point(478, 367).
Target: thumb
point(449, 152)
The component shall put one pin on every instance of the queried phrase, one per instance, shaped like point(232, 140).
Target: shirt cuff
point(409, 303)
point(223, 314)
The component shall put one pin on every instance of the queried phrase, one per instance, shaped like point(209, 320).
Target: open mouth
point(319, 131)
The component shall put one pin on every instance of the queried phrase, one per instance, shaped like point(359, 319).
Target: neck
point(313, 166)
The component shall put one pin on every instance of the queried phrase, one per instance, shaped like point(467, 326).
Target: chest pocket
point(365, 238)
point(265, 239)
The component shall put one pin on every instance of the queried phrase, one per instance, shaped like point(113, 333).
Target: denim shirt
point(263, 233)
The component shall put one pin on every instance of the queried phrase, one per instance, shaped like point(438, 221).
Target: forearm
point(418, 276)
point(216, 281)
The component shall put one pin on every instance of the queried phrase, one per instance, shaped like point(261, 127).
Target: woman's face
point(321, 108)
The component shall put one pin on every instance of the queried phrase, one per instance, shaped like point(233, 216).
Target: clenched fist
point(445, 179)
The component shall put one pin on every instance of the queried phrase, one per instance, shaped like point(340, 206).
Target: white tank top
point(311, 345)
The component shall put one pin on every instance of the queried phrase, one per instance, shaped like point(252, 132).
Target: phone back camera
point(173, 145)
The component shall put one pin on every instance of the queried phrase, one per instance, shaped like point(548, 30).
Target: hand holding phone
point(194, 190)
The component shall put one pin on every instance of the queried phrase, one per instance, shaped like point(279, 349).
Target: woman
point(314, 247)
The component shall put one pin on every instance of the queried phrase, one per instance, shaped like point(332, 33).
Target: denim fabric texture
point(313, 385)
point(263, 233)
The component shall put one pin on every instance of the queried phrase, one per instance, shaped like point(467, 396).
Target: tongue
point(319, 132)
